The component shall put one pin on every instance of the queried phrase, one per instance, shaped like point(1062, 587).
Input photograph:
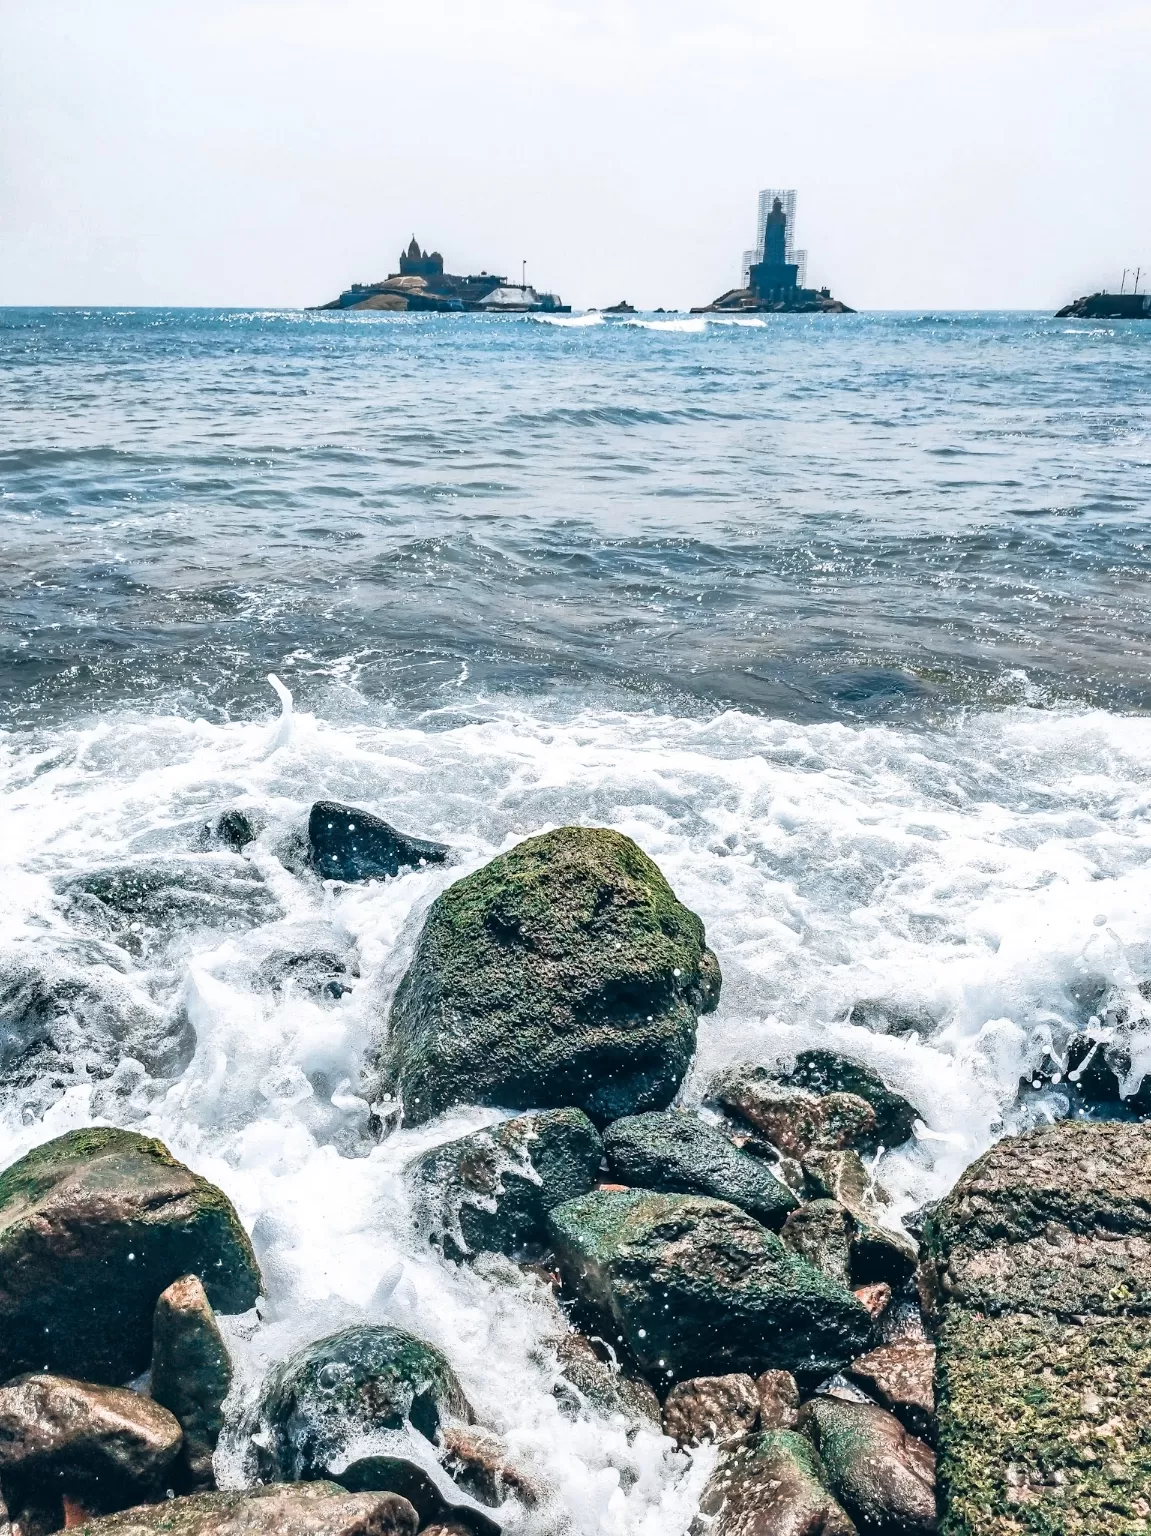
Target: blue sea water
point(845, 619)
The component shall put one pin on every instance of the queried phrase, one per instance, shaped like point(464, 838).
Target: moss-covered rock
point(679, 1154)
point(292, 1509)
point(1044, 1426)
point(563, 972)
point(883, 1477)
point(688, 1286)
point(492, 1190)
point(363, 1379)
point(772, 1486)
point(93, 1226)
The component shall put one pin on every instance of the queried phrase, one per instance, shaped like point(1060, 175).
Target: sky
point(270, 152)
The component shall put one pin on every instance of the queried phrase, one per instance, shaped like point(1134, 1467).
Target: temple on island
point(775, 272)
point(422, 284)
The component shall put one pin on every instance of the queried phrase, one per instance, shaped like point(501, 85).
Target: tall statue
point(775, 236)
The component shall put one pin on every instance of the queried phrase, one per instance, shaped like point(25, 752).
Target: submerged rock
point(772, 1486)
point(349, 844)
point(139, 901)
point(191, 1373)
point(478, 1462)
point(291, 1509)
point(563, 972)
point(606, 1389)
point(361, 1380)
point(711, 1408)
point(795, 1120)
point(883, 1477)
point(233, 828)
point(690, 1286)
point(101, 1448)
point(678, 1153)
point(93, 1226)
point(493, 1189)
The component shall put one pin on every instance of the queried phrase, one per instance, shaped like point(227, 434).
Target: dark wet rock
point(1057, 1220)
point(689, 1286)
point(409, 1468)
point(825, 1072)
point(233, 828)
point(494, 1188)
point(883, 1477)
point(191, 1373)
point(65, 1021)
point(563, 972)
point(310, 957)
point(102, 1448)
point(350, 844)
point(901, 1378)
point(605, 1388)
point(772, 1486)
point(141, 901)
point(879, 1254)
point(1043, 1424)
point(363, 1379)
point(292, 1509)
point(821, 1232)
point(93, 1226)
point(678, 1153)
point(778, 1395)
point(795, 1120)
point(478, 1462)
point(711, 1408)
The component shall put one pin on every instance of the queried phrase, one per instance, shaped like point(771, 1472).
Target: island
point(422, 284)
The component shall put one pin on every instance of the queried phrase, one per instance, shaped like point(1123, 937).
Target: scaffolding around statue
point(787, 200)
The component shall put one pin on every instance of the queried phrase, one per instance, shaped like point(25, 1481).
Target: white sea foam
point(693, 327)
point(947, 884)
point(570, 321)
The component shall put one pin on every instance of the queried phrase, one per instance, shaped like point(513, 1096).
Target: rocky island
point(730, 1277)
point(773, 281)
point(421, 284)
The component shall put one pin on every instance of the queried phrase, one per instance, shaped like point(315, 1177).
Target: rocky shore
point(731, 1277)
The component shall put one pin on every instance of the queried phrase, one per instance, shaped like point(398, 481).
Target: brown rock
point(902, 1378)
point(821, 1233)
point(883, 1477)
point(191, 1373)
point(773, 1485)
point(102, 1448)
point(477, 1461)
point(876, 1298)
point(794, 1119)
point(778, 1400)
point(279, 1509)
point(878, 1253)
point(606, 1389)
point(711, 1408)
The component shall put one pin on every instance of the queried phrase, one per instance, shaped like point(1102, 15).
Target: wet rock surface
point(825, 1072)
point(778, 1396)
point(93, 1226)
point(820, 1232)
point(773, 1486)
point(883, 1477)
point(679, 1153)
point(711, 1408)
point(141, 902)
point(103, 1448)
point(795, 1120)
point(299, 1509)
point(901, 1378)
point(493, 1189)
point(349, 844)
point(191, 1374)
point(361, 1380)
point(597, 1383)
point(565, 972)
point(690, 1286)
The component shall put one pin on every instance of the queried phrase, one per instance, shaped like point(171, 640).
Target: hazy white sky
point(271, 151)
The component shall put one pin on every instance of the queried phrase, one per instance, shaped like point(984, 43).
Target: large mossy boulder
point(93, 1226)
point(492, 1190)
point(292, 1509)
point(565, 972)
point(679, 1154)
point(362, 1380)
point(772, 1486)
point(883, 1477)
point(688, 1286)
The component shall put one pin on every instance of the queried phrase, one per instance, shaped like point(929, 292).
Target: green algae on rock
point(690, 1286)
point(283, 1509)
point(679, 1154)
point(1044, 1426)
point(93, 1226)
point(492, 1190)
point(774, 1485)
point(883, 1477)
point(564, 972)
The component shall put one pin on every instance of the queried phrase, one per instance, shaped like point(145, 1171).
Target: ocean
point(845, 619)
